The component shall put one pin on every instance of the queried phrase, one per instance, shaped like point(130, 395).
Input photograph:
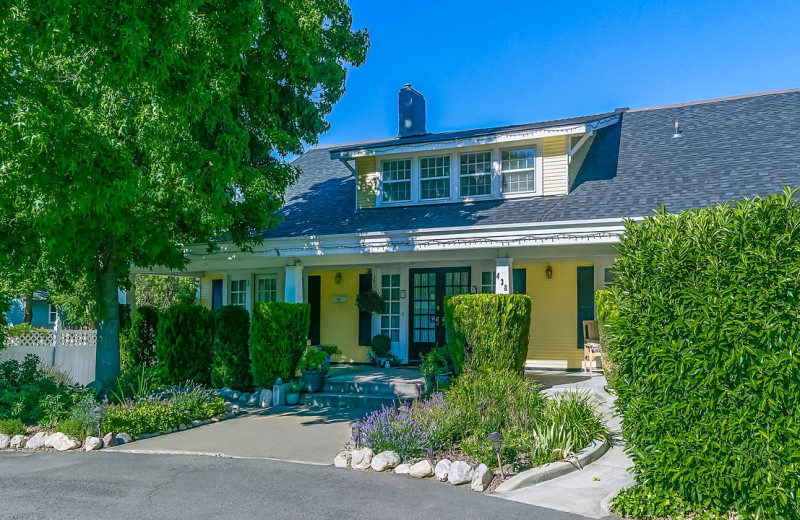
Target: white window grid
point(396, 180)
point(518, 169)
point(487, 282)
point(390, 318)
point(52, 313)
point(267, 289)
point(239, 293)
point(476, 174)
point(434, 175)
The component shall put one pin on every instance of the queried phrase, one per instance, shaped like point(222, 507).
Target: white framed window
point(390, 318)
point(518, 168)
point(52, 314)
point(608, 277)
point(487, 282)
point(266, 289)
point(475, 174)
point(396, 180)
point(239, 293)
point(434, 177)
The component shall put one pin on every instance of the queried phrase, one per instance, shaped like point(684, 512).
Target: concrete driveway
point(293, 434)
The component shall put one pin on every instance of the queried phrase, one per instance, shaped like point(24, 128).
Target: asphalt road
point(121, 485)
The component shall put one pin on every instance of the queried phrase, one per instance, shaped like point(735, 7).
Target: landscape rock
point(5, 440)
point(92, 443)
point(110, 440)
point(225, 392)
point(38, 441)
point(385, 460)
point(254, 399)
point(482, 478)
point(423, 469)
point(124, 438)
point(442, 469)
point(265, 398)
point(460, 473)
point(403, 469)
point(62, 442)
point(245, 397)
point(18, 441)
point(181, 427)
point(362, 458)
point(342, 460)
point(197, 422)
point(235, 395)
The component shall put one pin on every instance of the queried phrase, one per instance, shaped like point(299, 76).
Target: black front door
point(428, 289)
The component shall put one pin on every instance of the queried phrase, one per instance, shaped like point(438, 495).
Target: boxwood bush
point(488, 330)
point(185, 338)
point(278, 339)
point(140, 348)
point(706, 340)
point(231, 366)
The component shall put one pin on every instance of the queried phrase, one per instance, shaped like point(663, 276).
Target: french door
point(428, 290)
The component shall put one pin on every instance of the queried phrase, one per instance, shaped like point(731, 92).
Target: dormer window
point(434, 175)
point(517, 166)
point(476, 174)
point(396, 181)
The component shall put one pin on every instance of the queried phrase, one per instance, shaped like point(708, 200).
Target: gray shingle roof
point(730, 149)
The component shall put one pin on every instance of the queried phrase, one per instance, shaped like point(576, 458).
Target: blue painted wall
point(41, 310)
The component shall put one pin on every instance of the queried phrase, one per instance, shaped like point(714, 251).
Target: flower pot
point(442, 379)
point(292, 399)
point(312, 380)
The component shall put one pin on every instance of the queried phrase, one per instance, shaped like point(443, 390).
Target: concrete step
point(348, 400)
point(398, 389)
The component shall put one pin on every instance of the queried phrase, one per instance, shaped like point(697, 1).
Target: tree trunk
point(28, 316)
point(107, 361)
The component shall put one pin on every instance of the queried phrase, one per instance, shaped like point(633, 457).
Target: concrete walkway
point(585, 492)
point(293, 434)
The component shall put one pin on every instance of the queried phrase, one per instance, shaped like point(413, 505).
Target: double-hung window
point(239, 293)
point(266, 289)
point(52, 313)
point(476, 174)
point(517, 165)
point(487, 282)
point(434, 173)
point(396, 181)
point(390, 318)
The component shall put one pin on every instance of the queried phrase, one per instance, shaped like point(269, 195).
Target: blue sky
point(494, 63)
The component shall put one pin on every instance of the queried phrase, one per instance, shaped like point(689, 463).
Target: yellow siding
point(339, 321)
point(554, 165)
point(366, 182)
point(554, 314)
point(577, 160)
point(205, 289)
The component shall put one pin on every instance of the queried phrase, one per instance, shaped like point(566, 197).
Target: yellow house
point(533, 208)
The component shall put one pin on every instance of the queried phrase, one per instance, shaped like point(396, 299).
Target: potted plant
point(379, 349)
point(313, 368)
point(369, 301)
point(293, 393)
point(435, 366)
point(330, 350)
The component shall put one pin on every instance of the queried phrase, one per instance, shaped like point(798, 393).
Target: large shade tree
point(129, 129)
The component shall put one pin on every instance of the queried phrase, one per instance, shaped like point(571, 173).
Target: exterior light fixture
point(98, 413)
point(338, 278)
point(496, 439)
point(355, 429)
point(548, 272)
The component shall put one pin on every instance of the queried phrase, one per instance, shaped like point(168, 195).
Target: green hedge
point(488, 330)
point(606, 314)
point(707, 339)
point(140, 348)
point(277, 340)
point(231, 365)
point(185, 338)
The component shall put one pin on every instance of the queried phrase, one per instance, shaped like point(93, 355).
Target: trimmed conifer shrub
point(706, 340)
point(277, 340)
point(185, 339)
point(140, 347)
point(488, 331)
point(231, 365)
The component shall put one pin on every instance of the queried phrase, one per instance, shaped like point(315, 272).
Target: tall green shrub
point(231, 365)
point(488, 330)
point(277, 340)
point(140, 347)
point(606, 314)
point(707, 342)
point(185, 338)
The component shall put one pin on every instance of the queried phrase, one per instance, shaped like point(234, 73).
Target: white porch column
point(503, 276)
point(293, 288)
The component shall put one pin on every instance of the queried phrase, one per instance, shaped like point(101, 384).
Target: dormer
point(529, 160)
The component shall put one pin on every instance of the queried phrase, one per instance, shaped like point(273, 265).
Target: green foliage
point(437, 361)
point(185, 340)
point(313, 360)
point(706, 342)
point(140, 347)
point(162, 292)
point(369, 301)
point(606, 314)
point(646, 504)
point(73, 428)
point(157, 416)
point(295, 387)
point(22, 329)
point(231, 366)
point(12, 427)
point(331, 350)
point(380, 346)
point(135, 383)
point(488, 330)
point(134, 134)
point(277, 340)
point(3, 322)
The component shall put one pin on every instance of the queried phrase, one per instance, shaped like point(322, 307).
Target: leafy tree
point(131, 129)
point(162, 292)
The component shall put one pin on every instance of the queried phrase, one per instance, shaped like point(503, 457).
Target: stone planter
point(292, 399)
point(312, 380)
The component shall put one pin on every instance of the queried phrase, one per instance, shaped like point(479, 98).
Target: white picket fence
point(72, 351)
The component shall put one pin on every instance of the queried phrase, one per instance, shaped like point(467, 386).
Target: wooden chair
point(591, 343)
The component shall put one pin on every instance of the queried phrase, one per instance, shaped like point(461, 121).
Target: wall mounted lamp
point(548, 272)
